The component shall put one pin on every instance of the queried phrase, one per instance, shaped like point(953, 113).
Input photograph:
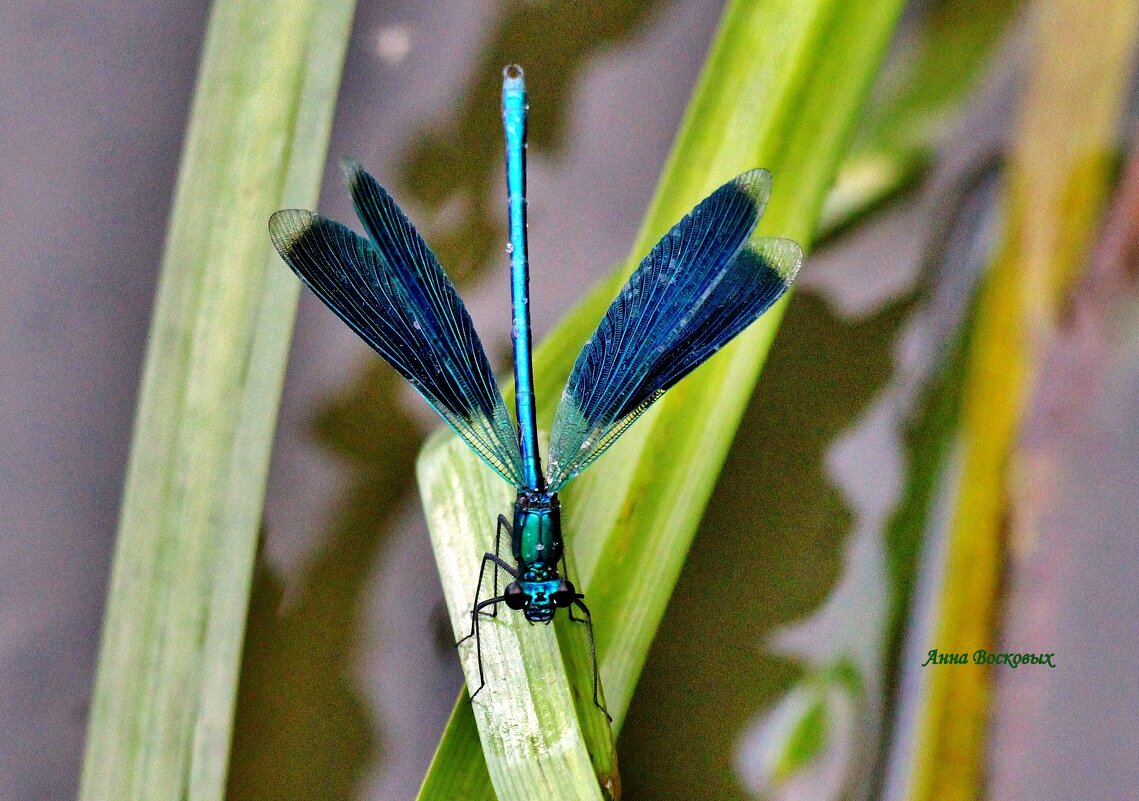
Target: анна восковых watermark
point(983, 657)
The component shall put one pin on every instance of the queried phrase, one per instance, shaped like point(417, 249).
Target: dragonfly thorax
point(536, 539)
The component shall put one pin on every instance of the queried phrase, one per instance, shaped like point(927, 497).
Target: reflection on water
point(768, 551)
point(304, 730)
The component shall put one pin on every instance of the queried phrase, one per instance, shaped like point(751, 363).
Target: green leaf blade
point(162, 709)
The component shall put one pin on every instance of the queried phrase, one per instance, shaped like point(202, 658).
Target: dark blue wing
point(394, 294)
point(702, 284)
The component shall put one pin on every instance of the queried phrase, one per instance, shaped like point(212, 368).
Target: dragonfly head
point(538, 600)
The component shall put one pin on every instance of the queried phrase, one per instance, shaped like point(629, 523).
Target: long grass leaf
point(162, 709)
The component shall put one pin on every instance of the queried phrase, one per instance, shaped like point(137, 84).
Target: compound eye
point(564, 595)
point(515, 598)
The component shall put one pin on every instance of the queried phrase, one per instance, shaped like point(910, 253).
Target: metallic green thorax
point(537, 535)
point(536, 541)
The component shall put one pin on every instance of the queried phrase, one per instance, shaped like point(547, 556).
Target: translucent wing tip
point(288, 226)
point(783, 256)
point(352, 171)
point(756, 184)
point(755, 180)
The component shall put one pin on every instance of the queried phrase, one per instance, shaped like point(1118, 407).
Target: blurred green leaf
point(935, 65)
point(162, 710)
point(1082, 57)
point(805, 740)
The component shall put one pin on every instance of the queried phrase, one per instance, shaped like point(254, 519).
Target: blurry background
point(349, 672)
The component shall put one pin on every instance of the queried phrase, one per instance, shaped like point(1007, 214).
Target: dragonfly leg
point(476, 607)
point(478, 637)
point(588, 621)
point(503, 523)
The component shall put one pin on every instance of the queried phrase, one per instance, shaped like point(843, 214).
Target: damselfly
point(706, 281)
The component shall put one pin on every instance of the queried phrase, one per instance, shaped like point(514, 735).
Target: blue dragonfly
point(706, 281)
